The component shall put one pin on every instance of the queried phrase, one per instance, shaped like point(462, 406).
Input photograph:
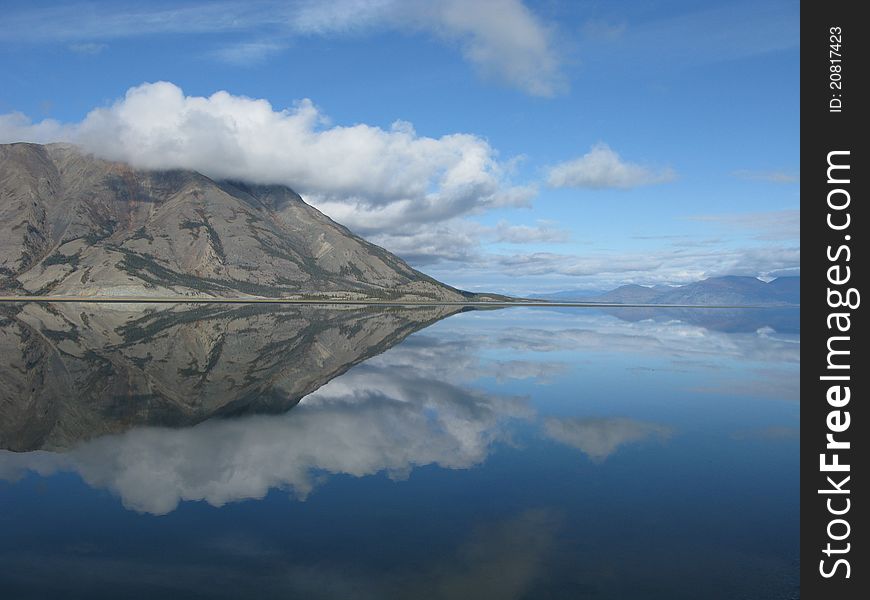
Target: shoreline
point(479, 303)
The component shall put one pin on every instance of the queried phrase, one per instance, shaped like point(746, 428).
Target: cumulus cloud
point(17, 127)
point(602, 168)
point(501, 38)
point(461, 240)
point(598, 438)
point(455, 241)
point(366, 177)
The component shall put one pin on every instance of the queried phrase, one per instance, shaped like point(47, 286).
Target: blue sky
point(498, 144)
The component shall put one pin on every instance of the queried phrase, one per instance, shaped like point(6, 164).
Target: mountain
point(788, 289)
point(75, 371)
point(735, 291)
point(729, 291)
point(633, 294)
point(72, 224)
point(568, 295)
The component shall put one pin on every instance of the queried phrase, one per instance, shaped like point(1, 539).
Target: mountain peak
point(72, 224)
point(735, 290)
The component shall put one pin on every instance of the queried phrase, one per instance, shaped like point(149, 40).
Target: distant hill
point(729, 290)
point(634, 294)
point(569, 295)
point(72, 224)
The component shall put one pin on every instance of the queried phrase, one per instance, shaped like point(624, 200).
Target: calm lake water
point(303, 452)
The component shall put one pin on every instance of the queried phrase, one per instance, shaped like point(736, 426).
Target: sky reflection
point(435, 399)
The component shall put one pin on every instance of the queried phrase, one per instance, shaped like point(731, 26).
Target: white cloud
point(368, 178)
point(457, 240)
point(501, 38)
point(461, 240)
point(17, 127)
point(601, 168)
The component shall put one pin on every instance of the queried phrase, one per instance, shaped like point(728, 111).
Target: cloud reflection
point(423, 402)
point(598, 438)
point(152, 469)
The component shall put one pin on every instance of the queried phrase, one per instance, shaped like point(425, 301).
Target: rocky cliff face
point(72, 372)
point(71, 224)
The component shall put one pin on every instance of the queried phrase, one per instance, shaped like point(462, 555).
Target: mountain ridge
point(73, 224)
point(727, 290)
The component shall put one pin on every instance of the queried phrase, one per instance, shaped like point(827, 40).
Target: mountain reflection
point(411, 421)
point(125, 399)
point(72, 372)
point(728, 320)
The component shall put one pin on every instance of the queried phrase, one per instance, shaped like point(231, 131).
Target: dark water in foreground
point(517, 453)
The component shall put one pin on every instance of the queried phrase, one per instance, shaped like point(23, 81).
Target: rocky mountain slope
point(71, 224)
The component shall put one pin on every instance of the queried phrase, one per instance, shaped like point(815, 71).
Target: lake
point(224, 451)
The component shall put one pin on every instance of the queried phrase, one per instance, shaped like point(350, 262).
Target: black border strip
point(833, 106)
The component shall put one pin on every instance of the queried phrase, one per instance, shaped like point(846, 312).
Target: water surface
point(222, 451)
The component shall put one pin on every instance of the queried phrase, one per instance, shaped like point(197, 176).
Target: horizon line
point(478, 303)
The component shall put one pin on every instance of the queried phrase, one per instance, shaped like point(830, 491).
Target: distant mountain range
point(727, 291)
point(72, 224)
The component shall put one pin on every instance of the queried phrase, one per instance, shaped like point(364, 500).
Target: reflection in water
point(688, 435)
point(412, 422)
point(412, 406)
point(598, 438)
point(727, 320)
point(500, 559)
point(77, 371)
